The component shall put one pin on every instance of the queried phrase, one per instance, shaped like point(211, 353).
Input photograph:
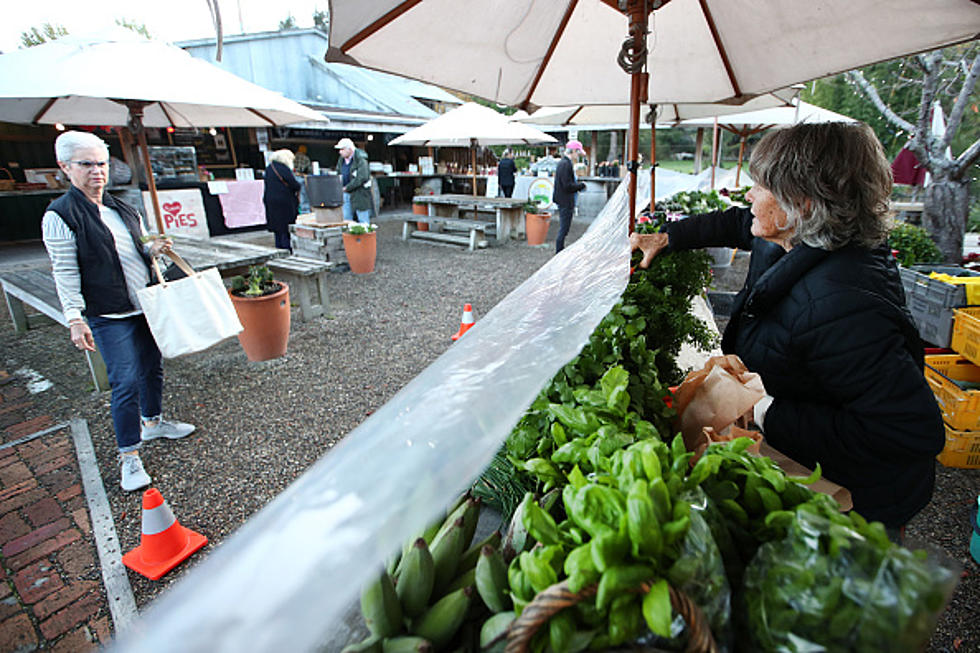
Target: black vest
point(103, 283)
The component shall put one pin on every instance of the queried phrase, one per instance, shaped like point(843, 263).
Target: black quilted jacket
point(830, 336)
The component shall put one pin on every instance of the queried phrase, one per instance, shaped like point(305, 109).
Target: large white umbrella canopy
point(562, 52)
point(531, 53)
point(122, 79)
point(85, 81)
point(471, 125)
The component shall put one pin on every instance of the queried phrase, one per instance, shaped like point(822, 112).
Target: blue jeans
point(362, 216)
point(135, 370)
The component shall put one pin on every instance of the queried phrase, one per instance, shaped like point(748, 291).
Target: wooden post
point(698, 146)
point(473, 163)
point(714, 152)
point(593, 153)
point(136, 125)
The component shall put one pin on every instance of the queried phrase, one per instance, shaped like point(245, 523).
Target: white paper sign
point(493, 188)
point(183, 212)
point(244, 174)
point(217, 187)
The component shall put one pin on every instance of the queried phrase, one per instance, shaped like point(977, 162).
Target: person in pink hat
point(566, 186)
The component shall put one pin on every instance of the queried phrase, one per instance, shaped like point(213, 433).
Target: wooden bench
point(307, 279)
point(477, 231)
point(35, 287)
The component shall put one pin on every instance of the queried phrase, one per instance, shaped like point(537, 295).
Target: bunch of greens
point(913, 244)
point(692, 202)
point(836, 583)
point(359, 229)
point(737, 195)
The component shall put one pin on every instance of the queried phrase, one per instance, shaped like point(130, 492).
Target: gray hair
point(283, 156)
point(832, 179)
point(70, 142)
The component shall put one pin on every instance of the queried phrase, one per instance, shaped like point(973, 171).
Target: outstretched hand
point(649, 244)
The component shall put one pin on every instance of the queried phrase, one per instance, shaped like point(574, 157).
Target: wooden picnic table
point(508, 212)
point(229, 256)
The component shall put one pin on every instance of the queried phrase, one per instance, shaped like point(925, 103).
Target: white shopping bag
point(189, 314)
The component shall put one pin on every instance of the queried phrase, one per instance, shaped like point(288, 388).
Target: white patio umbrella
point(747, 123)
point(471, 125)
point(126, 80)
point(611, 116)
point(561, 52)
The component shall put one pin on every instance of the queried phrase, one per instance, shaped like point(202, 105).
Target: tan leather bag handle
point(181, 263)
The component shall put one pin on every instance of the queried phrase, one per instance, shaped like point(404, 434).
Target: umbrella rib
point(163, 107)
point(378, 24)
point(263, 117)
point(551, 50)
point(44, 110)
point(720, 47)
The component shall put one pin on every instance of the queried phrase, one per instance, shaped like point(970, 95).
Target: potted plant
point(420, 209)
point(361, 247)
point(536, 222)
point(262, 304)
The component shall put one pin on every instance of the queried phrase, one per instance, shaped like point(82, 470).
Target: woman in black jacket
point(822, 316)
point(281, 197)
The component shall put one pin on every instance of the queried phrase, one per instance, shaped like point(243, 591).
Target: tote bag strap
point(178, 260)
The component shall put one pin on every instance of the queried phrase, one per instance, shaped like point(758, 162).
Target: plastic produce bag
point(285, 579)
point(826, 588)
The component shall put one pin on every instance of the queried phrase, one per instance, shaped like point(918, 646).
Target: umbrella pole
point(473, 163)
point(741, 153)
point(714, 152)
point(136, 126)
point(653, 165)
point(634, 145)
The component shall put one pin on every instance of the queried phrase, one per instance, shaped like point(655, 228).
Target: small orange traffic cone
point(164, 543)
point(466, 323)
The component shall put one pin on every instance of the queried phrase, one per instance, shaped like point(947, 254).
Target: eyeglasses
point(89, 165)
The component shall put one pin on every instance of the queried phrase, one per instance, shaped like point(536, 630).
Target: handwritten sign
point(183, 212)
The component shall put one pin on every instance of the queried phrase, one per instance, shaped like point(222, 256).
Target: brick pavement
point(52, 596)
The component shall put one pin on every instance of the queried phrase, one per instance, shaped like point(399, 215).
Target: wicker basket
point(8, 183)
point(558, 597)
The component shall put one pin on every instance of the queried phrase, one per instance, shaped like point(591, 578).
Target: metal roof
point(291, 62)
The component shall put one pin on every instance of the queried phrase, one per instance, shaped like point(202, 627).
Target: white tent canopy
point(617, 116)
point(797, 111)
point(472, 124)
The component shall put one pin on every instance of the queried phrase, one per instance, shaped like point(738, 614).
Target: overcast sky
point(172, 20)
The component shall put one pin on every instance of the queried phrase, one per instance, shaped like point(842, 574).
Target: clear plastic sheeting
point(284, 581)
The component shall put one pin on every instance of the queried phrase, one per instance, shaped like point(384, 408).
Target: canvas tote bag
point(190, 314)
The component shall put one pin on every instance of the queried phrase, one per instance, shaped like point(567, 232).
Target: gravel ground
point(260, 425)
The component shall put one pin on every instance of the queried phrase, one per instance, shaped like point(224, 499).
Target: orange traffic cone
point(164, 543)
point(466, 323)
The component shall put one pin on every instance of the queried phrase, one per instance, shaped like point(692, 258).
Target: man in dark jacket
point(505, 173)
point(822, 316)
point(566, 186)
point(355, 175)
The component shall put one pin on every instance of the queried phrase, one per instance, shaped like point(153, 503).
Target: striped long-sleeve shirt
point(60, 242)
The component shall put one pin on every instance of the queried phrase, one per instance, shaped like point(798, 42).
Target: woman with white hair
point(280, 196)
point(99, 262)
point(822, 316)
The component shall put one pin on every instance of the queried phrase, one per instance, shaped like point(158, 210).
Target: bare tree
point(947, 198)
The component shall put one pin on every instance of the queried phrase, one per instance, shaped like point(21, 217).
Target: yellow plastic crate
point(966, 332)
point(961, 408)
point(962, 449)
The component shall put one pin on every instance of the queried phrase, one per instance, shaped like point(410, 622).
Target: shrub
point(914, 245)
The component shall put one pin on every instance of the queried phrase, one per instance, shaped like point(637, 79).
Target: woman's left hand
point(160, 245)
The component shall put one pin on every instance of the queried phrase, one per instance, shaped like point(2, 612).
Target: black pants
point(564, 223)
point(508, 189)
point(282, 240)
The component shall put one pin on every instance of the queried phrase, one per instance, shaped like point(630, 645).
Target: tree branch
point(872, 94)
point(959, 107)
point(963, 162)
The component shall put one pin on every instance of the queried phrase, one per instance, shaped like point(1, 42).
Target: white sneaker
point(166, 429)
point(134, 476)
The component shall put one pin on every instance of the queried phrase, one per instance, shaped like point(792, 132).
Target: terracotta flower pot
point(266, 323)
point(361, 250)
point(536, 226)
point(421, 209)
